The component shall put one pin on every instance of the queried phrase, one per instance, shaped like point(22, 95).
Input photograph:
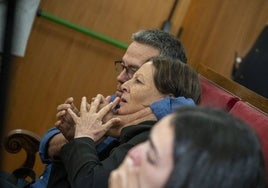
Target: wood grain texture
point(213, 30)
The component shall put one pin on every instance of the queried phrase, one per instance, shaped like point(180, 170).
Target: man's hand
point(64, 121)
point(55, 144)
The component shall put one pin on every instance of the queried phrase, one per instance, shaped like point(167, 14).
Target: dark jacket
point(80, 165)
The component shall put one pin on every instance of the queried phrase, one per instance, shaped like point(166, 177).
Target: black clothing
point(80, 165)
point(253, 70)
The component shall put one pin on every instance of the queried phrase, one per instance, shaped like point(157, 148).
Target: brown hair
point(174, 77)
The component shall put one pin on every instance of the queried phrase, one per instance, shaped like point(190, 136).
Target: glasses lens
point(118, 66)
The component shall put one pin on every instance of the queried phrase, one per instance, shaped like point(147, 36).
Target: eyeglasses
point(120, 66)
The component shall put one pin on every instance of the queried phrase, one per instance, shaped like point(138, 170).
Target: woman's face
point(153, 159)
point(140, 91)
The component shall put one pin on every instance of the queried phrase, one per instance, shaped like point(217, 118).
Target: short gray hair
point(168, 45)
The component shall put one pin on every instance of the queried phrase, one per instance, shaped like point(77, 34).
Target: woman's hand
point(124, 176)
point(90, 124)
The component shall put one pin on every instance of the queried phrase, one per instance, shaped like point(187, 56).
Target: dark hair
point(174, 77)
point(214, 149)
point(167, 44)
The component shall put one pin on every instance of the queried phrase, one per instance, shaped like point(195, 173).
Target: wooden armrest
point(22, 139)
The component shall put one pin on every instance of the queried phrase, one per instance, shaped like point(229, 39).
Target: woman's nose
point(136, 154)
point(125, 86)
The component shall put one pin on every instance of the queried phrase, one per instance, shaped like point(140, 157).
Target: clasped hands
point(89, 122)
point(66, 123)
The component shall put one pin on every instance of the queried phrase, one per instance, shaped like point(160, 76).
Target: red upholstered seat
point(215, 96)
point(258, 120)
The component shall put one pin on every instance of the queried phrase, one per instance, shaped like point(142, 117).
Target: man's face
point(136, 55)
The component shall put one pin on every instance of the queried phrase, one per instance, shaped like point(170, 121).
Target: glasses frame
point(129, 70)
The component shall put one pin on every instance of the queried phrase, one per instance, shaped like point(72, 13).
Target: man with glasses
point(146, 44)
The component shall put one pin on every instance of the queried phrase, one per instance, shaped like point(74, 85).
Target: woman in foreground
point(194, 147)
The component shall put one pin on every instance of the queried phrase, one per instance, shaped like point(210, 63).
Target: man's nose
point(122, 77)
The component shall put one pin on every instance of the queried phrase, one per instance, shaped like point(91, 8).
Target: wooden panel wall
point(214, 29)
point(60, 62)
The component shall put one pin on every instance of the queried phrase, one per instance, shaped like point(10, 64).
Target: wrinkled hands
point(66, 124)
point(90, 122)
